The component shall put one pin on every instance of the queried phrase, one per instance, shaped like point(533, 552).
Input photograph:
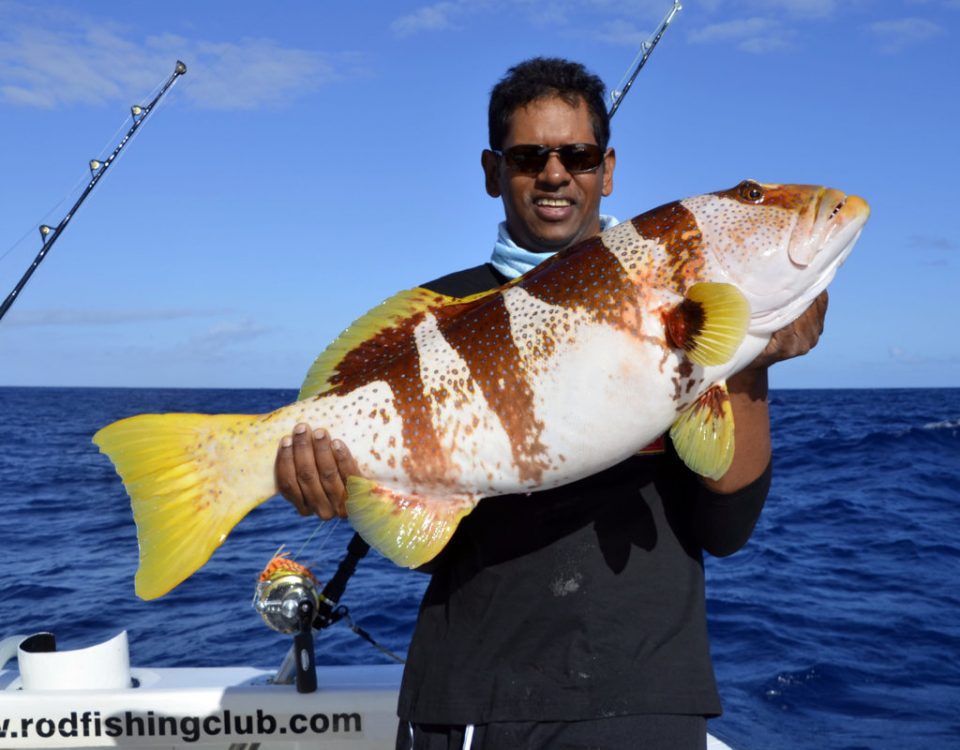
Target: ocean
point(837, 626)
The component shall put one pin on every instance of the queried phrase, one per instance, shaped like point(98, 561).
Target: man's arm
point(748, 398)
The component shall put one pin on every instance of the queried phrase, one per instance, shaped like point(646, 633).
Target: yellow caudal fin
point(410, 529)
point(386, 329)
point(703, 434)
point(186, 487)
point(710, 323)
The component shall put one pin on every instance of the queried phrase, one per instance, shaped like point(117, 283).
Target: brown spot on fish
point(683, 324)
point(713, 399)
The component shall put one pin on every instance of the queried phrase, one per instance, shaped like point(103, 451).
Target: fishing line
point(98, 169)
point(71, 194)
point(330, 528)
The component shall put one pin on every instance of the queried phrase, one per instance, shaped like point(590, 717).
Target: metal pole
point(98, 169)
point(646, 49)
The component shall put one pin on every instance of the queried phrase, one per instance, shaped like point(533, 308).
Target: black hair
point(541, 77)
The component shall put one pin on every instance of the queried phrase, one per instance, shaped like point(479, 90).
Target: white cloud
point(101, 317)
point(212, 343)
point(803, 8)
point(736, 30)
point(448, 15)
point(897, 35)
point(437, 17)
point(755, 35)
point(621, 31)
point(929, 242)
point(908, 357)
point(951, 4)
point(53, 60)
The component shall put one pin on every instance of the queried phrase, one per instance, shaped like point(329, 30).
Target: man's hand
point(748, 397)
point(311, 472)
point(796, 339)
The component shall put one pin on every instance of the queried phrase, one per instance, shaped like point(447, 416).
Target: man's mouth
point(553, 209)
point(553, 202)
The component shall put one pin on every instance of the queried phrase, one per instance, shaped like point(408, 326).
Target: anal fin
point(410, 529)
point(703, 434)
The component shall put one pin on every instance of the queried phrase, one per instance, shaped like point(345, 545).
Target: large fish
point(445, 401)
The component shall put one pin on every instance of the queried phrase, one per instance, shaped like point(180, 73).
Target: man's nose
point(553, 172)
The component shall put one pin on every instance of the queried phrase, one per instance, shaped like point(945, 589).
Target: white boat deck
point(353, 708)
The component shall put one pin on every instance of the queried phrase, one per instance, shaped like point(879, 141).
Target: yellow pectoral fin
point(710, 323)
point(409, 530)
point(703, 434)
point(185, 490)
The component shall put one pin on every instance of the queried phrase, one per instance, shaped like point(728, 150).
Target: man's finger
point(285, 476)
point(347, 466)
point(330, 478)
point(308, 473)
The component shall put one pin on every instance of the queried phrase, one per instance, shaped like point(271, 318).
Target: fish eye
point(750, 191)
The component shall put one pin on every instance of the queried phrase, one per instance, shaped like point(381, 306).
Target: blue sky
point(318, 157)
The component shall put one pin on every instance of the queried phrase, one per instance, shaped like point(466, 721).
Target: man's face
point(554, 209)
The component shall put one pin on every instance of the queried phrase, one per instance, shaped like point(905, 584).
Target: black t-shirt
point(580, 602)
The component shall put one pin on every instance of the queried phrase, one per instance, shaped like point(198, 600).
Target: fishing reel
point(283, 600)
point(287, 599)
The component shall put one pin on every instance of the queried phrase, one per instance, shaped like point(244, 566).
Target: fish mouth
point(837, 220)
point(828, 224)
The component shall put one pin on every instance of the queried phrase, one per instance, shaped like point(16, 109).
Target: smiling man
point(573, 617)
point(551, 198)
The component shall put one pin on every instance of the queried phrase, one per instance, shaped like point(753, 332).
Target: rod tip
point(181, 68)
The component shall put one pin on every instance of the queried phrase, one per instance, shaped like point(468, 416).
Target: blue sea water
point(838, 626)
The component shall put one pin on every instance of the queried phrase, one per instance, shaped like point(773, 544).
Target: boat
point(92, 698)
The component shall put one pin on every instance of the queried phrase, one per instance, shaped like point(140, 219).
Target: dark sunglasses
point(532, 158)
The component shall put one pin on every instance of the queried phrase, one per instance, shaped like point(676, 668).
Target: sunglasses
point(532, 158)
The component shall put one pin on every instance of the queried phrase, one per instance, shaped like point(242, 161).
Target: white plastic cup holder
point(104, 666)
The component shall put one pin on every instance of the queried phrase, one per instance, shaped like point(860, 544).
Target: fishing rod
point(98, 169)
point(646, 49)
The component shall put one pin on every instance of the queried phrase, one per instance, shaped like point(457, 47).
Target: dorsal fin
point(399, 312)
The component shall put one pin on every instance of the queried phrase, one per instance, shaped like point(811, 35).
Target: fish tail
point(191, 478)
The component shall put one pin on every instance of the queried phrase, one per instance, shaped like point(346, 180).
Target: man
point(574, 617)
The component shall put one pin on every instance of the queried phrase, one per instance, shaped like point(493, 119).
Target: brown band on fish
point(484, 341)
point(592, 280)
point(675, 228)
point(391, 356)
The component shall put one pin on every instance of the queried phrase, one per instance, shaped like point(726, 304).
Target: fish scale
point(571, 368)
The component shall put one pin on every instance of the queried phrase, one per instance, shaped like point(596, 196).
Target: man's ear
point(609, 162)
point(491, 172)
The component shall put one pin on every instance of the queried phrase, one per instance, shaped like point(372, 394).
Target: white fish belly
point(604, 398)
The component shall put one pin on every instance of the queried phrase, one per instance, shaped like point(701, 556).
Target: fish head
point(779, 244)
